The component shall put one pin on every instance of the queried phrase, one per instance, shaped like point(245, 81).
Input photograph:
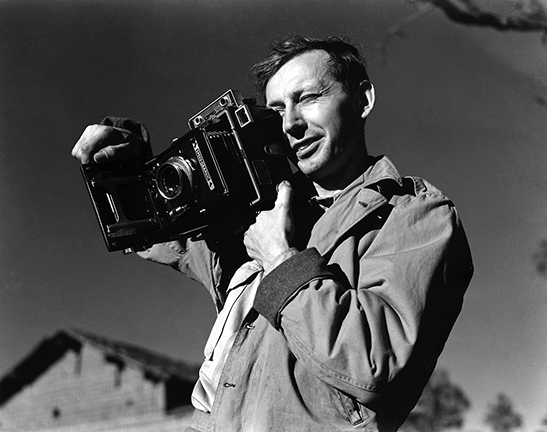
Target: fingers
point(100, 144)
point(123, 151)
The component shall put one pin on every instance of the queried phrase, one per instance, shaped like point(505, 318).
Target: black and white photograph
point(273, 215)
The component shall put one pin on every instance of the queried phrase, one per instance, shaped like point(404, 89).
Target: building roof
point(48, 351)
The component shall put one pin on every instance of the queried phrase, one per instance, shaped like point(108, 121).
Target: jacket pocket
point(357, 414)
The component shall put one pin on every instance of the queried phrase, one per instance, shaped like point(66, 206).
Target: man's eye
point(308, 97)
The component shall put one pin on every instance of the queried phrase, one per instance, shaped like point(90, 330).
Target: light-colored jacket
point(345, 334)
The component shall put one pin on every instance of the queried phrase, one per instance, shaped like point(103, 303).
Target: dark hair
point(347, 65)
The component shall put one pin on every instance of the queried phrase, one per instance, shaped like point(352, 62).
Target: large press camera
point(225, 168)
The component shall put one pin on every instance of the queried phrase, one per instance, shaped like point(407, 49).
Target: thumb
point(284, 195)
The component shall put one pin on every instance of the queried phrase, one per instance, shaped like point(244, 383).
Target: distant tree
point(540, 260)
point(441, 406)
point(501, 416)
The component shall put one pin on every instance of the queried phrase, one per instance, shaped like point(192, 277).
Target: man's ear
point(367, 97)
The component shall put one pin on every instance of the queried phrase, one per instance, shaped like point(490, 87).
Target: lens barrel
point(174, 178)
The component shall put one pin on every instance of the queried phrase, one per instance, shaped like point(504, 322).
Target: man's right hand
point(101, 144)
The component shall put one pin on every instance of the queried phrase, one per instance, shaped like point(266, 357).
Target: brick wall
point(83, 388)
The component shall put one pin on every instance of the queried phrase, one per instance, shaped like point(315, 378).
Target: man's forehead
point(311, 67)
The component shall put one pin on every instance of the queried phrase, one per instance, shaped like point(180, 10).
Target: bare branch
point(397, 29)
point(530, 16)
point(527, 19)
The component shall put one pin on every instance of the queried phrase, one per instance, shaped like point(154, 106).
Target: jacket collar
point(354, 203)
point(381, 169)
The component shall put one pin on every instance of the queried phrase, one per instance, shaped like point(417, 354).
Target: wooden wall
point(83, 388)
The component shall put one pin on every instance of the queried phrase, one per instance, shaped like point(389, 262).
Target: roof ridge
point(144, 356)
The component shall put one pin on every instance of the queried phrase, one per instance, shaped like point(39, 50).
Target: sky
point(455, 105)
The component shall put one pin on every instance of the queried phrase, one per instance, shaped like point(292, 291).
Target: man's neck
point(327, 188)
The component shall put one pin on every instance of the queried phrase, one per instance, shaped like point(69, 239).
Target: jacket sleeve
point(195, 260)
point(212, 264)
point(412, 274)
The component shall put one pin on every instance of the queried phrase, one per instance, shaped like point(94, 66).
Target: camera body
point(209, 180)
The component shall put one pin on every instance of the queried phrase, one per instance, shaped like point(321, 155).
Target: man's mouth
point(304, 148)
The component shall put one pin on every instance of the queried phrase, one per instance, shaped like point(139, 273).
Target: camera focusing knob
point(178, 211)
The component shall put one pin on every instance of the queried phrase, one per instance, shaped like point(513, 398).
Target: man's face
point(323, 123)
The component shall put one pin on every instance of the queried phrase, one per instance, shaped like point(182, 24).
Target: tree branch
point(397, 29)
point(530, 19)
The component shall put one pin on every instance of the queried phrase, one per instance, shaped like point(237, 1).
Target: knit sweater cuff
point(283, 282)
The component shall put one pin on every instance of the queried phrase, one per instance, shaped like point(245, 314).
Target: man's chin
point(313, 173)
point(306, 169)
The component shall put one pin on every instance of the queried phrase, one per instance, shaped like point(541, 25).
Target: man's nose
point(293, 122)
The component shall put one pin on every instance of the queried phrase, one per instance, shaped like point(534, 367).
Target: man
point(343, 332)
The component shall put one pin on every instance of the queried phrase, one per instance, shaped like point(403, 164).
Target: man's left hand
point(273, 230)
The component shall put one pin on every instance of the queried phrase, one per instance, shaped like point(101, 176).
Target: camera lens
point(171, 184)
point(174, 178)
